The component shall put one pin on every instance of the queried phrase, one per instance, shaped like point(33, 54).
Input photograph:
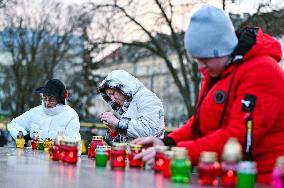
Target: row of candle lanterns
point(64, 150)
point(36, 143)
point(172, 162)
point(59, 149)
point(231, 171)
point(117, 154)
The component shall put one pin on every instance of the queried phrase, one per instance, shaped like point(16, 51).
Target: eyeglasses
point(49, 99)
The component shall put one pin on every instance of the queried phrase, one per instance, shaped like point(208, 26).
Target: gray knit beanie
point(210, 34)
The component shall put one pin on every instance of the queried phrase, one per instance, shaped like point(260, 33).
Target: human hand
point(110, 120)
point(148, 155)
point(148, 141)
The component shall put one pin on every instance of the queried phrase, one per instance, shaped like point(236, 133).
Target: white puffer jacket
point(47, 122)
point(143, 113)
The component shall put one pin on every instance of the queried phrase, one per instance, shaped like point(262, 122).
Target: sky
point(247, 6)
point(241, 6)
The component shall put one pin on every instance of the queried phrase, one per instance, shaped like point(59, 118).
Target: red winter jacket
point(258, 74)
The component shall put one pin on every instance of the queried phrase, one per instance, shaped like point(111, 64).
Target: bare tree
point(3, 3)
point(39, 42)
point(268, 21)
point(157, 26)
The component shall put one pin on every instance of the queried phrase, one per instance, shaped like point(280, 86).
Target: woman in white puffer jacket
point(140, 111)
point(53, 116)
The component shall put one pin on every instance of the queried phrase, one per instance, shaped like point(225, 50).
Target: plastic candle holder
point(96, 141)
point(41, 145)
point(47, 144)
point(160, 158)
point(208, 169)
point(62, 150)
point(246, 175)
point(34, 144)
point(20, 143)
point(70, 152)
point(134, 150)
point(118, 156)
point(168, 159)
point(101, 156)
point(229, 173)
point(232, 154)
point(54, 152)
point(180, 166)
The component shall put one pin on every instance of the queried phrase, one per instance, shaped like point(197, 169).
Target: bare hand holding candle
point(109, 120)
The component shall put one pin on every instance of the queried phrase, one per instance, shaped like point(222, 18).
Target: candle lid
point(180, 152)
point(97, 138)
point(35, 135)
point(207, 156)
point(68, 143)
point(71, 143)
point(232, 150)
point(59, 137)
point(135, 147)
point(104, 147)
point(101, 149)
point(280, 162)
point(169, 153)
point(20, 135)
point(119, 146)
point(161, 148)
point(247, 167)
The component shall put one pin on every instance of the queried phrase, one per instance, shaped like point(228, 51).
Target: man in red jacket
point(241, 75)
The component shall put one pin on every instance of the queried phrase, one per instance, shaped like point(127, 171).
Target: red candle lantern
point(55, 153)
point(208, 169)
point(62, 150)
point(134, 150)
point(160, 158)
point(34, 144)
point(118, 155)
point(35, 140)
point(168, 155)
point(96, 141)
point(232, 154)
point(71, 152)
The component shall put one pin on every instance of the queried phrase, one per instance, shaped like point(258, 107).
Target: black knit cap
point(54, 88)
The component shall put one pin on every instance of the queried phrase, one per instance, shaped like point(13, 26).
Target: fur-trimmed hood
point(122, 80)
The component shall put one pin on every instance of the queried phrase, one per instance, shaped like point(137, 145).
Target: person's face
point(49, 101)
point(116, 96)
point(213, 66)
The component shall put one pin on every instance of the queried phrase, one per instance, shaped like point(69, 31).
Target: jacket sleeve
point(260, 81)
point(149, 120)
point(72, 129)
point(20, 123)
